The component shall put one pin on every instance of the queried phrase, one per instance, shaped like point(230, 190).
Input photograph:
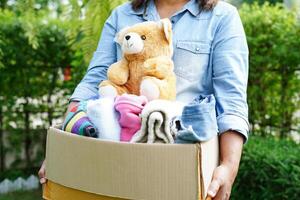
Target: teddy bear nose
point(127, 37)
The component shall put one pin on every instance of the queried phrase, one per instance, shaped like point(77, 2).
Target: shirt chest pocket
point(191, 59)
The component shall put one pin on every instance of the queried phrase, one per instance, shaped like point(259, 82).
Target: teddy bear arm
point(118, 72)
point(159, 67)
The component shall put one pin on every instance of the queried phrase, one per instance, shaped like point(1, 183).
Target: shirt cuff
point(233, 123)
point(84, 91)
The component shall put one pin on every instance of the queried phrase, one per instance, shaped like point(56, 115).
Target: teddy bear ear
point(120, 35)
point(167, 28)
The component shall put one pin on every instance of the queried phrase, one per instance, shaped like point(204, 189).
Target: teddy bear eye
point(143, 37)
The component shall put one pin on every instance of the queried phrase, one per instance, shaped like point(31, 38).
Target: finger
point(217, 181)
point(208, 198)
point(43, 180)
point(223, 193)
point(214, 187)
point(41, 174)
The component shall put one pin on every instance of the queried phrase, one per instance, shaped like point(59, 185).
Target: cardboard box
point(80, 168)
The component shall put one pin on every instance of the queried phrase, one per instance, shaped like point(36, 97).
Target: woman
point(210, 57)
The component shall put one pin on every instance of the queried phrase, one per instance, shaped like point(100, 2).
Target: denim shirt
point(210, 57)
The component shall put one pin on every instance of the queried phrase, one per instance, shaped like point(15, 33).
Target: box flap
point(119, 169)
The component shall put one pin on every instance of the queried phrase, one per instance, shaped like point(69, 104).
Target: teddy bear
point(146, 67)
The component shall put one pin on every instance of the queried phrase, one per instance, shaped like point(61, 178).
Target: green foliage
point(274, 43)
point(34, 53)
point(13, 174)
point(262, 1)
point(238, 3)
point(84, 30)
point(23, 195)
point(37, 42)
point(96, 14)
point(1, 54)
point(3, 3)
point(28, 6)
point(270, 169)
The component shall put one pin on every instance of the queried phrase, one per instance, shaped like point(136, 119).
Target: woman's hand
point(72, 104)
point(231, 144)
point(42, 173)
point(223, 178)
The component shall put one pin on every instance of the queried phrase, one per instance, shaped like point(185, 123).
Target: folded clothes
point(77, 122)
point(103, 114)
point(198, 121)
point(129, 106)
point(156, 119)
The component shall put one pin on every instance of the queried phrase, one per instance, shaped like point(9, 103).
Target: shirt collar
point(192, 6)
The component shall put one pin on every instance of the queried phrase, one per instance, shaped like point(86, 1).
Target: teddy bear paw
point(108, 91)
point(149, 90)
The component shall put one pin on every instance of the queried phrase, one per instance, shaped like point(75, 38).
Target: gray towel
point(157, 116)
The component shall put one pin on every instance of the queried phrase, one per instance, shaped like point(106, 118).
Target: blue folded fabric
point(198, 121)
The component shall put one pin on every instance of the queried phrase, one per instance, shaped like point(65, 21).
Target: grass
point(23, 195)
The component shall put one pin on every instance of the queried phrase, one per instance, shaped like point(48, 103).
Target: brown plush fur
point(153, 63)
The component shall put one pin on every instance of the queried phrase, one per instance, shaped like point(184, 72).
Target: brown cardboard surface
point(130, 171)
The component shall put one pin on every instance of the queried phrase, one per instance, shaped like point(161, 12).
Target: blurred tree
point(2, 153)
point(274, 85)
point(36, 4)
point(87, 37)
point(85, 20)
point(262, 1)
point(34, 53)
point(238, 3)
point(3, 4)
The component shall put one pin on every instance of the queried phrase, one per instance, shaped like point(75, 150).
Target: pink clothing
point(129, 106)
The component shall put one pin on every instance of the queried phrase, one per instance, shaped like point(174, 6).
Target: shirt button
point(197, 49)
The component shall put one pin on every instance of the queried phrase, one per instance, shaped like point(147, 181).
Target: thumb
point(214, 187)
point(216, 183)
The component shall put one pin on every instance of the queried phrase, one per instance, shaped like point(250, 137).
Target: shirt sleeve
point(230, 74)
point(103, 57)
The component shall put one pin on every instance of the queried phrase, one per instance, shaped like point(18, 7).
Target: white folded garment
point(104, 116)
point(157, 116)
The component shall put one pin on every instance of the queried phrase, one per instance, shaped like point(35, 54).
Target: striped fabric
point(77, 122)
